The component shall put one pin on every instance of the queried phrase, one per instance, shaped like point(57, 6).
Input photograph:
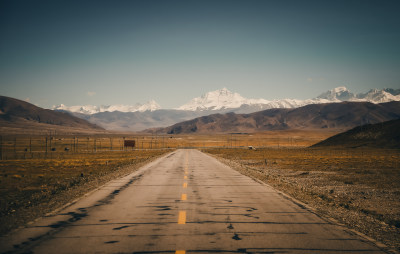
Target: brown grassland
point(358, 188)
point(30, 188)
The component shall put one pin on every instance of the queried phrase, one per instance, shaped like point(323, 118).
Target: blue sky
point(125, 52)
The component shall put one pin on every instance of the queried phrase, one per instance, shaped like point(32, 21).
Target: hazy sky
point(125, 52)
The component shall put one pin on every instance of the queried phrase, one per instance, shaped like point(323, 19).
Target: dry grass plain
point(30, 188)
point(64, 146)
point(285, 138)
point(358, 188)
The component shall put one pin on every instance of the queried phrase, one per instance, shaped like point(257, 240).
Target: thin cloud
point(91, 94)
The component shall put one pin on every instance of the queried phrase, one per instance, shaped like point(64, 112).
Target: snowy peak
point(392, 91)
point(378, 96)
point(151, 105)
point(337, 94)
point(219, 99)
point(90, 109)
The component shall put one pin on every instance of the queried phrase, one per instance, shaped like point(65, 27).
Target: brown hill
point(339, 116)
point(382, 135)
point(18, 116)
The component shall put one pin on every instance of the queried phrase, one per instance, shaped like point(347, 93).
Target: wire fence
point(17, 147)
point(58, 146)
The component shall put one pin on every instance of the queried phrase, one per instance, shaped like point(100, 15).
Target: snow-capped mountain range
point(90, 109)
point(224, 99)
point(150, 114)
point(374, 95)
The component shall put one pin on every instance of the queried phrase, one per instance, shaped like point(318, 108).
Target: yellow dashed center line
point(182, 217)
point(182, 214)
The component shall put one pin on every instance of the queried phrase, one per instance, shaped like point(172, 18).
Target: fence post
point(15, 147)
point(46, 149)
point(1, 147)
point(30, 146)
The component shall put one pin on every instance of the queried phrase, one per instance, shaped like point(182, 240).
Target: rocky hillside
point(21, 116)
point(383, 135)
point(339, 116)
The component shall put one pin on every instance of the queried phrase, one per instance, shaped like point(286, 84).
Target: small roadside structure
point(129, 143)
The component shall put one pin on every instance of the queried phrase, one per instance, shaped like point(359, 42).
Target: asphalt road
point(185, 202)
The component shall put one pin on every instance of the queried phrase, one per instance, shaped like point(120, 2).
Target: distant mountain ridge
point(137, 121)
point(373, 95)
point(151, 115)
point(224, 99)
point(339, 116)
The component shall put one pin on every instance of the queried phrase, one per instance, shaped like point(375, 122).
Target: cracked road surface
point(185, 202)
